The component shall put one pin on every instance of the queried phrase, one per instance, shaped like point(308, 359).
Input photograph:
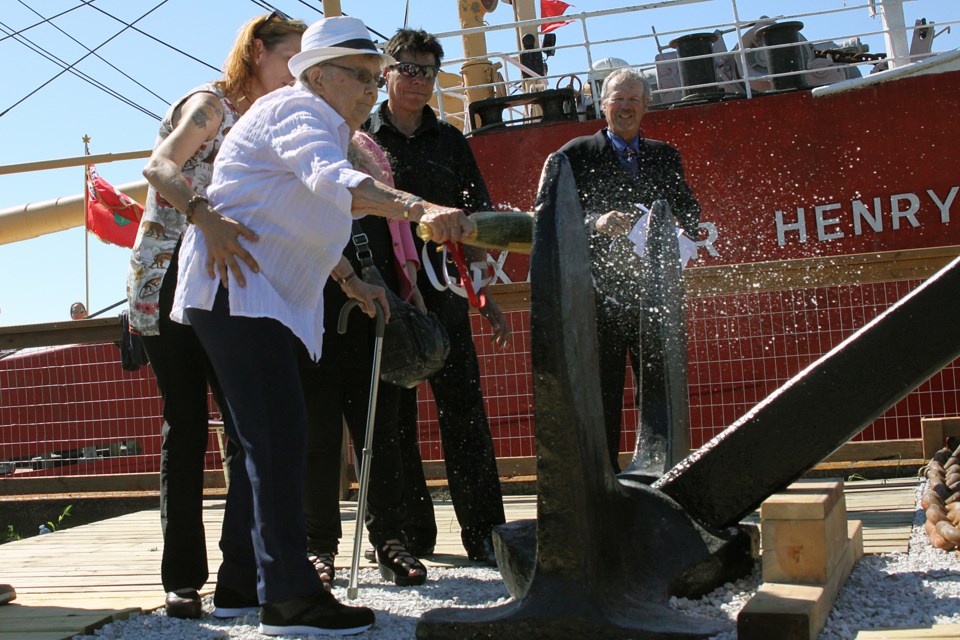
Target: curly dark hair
point(414, 41)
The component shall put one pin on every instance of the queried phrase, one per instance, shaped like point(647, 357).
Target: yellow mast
point(34, 219)
point(331, 8)
point(478, 70)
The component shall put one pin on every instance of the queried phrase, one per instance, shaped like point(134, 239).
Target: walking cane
point(367, 440)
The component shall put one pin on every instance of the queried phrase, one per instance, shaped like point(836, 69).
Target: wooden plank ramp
point(75, 580)
point(941, 631)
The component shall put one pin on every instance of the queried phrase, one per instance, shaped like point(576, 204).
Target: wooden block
point(804, 500)
point(803, 551)
point(935, 431)
point(804, 533)
point(796, 611)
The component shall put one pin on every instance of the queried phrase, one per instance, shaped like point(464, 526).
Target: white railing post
point(594, 87)
point(741, 52)
point(895, 32)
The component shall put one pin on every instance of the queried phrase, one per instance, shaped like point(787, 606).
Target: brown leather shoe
point(7, 593)
point(184, 603)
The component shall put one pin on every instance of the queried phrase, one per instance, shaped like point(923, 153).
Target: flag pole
point(86, 233)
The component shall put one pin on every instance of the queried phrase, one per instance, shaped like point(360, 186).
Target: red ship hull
point(779, 177)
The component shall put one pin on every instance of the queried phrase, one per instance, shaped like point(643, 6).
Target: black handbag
point(415, 344)
point(132, 354)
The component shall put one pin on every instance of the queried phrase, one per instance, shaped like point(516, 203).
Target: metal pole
point(594, 85)
point(86, 234)
point(60, 163)
point(895, 33)
point(743, 54)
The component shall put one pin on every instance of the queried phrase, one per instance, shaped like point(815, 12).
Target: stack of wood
point(941, 499)
point(809, 549)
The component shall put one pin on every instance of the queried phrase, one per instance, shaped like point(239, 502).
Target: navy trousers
point(256, 362)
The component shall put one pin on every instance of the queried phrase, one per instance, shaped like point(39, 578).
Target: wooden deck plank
point(27, 619)
point(911, 633)
point(32, 635)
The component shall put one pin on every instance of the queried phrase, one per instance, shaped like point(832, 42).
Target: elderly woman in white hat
point(283, 172)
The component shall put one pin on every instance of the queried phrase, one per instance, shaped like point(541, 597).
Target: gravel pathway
point(918, 588)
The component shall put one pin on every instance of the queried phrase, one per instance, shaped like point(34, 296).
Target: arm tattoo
point(201, 116)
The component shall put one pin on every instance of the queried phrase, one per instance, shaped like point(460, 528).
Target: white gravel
point(918, 588)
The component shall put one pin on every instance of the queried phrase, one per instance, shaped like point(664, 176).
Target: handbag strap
point(362, 245)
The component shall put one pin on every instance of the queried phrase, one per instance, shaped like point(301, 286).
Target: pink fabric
point(404, 249)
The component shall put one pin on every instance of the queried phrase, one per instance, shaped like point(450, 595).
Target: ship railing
point(533, 81)
point(744, 78)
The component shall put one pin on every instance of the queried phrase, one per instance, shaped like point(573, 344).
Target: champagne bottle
point(501, 230)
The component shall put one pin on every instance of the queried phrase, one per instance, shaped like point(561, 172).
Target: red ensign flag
point(113, 216)
point(550, 9)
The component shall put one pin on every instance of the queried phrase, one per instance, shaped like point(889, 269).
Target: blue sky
point(40, 278)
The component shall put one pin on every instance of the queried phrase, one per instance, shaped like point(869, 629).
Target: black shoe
point(313, 614)
point(482, 551)
point(396, 563)
point(415, 549)
point(230, 603)
point(184, 603)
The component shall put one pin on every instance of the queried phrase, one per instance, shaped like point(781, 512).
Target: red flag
point(551, 9)
point(113, 216)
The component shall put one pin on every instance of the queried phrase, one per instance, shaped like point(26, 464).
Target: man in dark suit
point(615, 170)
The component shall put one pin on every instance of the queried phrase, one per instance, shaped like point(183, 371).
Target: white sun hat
point(334, 38)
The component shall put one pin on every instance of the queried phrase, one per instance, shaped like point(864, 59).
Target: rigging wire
point(99, 57)
point(7, 110)
point(155, 39)
point(83, 76)
point(309, 6)
point(37, 24)
point(266, 5)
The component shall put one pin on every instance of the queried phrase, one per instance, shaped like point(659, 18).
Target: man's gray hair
point(625, 74)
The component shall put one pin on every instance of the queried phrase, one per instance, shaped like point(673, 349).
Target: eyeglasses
point(410, 70)
point(274, 15)
point(363, 76)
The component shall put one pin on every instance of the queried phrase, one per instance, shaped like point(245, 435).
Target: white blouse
point(283, 172)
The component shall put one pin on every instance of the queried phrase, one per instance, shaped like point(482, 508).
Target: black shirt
point(437, 164)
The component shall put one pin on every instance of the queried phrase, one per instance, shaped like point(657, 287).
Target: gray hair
point(625, 74)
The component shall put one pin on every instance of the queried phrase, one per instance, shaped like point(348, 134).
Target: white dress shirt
point(283, 172)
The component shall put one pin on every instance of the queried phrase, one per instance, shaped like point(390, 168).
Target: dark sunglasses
point(410, 70)
point(363, 76)
point(274, 15)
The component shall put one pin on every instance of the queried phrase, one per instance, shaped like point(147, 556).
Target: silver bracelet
point(408, 205)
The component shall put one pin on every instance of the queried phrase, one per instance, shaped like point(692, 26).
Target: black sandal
point(396, 562)
point(323, 563)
